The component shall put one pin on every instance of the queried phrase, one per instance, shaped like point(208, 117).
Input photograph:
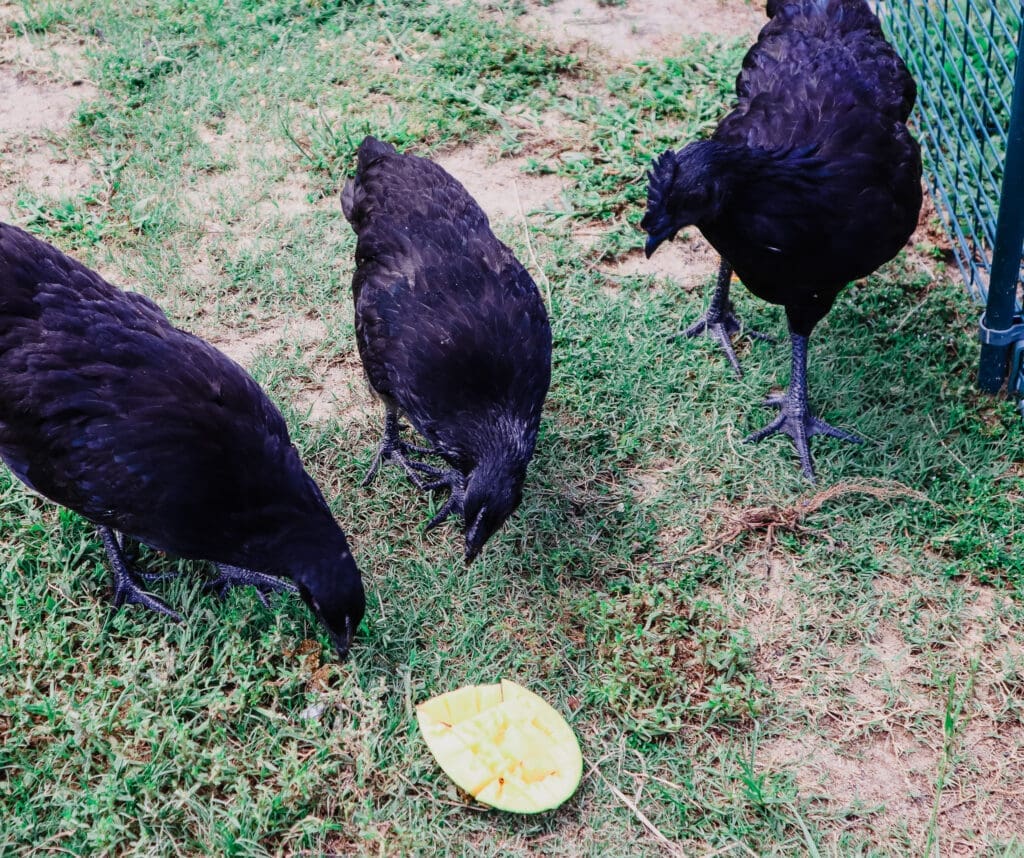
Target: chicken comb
point(661, 174)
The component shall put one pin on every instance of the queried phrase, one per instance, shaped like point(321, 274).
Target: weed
point(723, 685)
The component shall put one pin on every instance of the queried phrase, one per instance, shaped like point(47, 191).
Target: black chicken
point(810, 182)
point(452, 333)
point(153, 434)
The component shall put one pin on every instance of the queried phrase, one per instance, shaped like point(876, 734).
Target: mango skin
point(503, 745)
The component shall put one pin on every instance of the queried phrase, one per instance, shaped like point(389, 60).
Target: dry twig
point(529, 246)
point(671, 847)
point(769, 519)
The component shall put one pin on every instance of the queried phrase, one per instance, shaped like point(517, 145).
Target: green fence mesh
point(963, 55)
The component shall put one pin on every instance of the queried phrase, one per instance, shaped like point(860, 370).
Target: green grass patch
point(721, 688)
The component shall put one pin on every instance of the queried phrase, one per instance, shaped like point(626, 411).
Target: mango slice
point(503, 745)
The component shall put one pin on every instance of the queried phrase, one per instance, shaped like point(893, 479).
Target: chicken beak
point(473, 541)
point(342, 643)
point(655, 239)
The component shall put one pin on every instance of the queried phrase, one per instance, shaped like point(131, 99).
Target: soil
point(639, 29)
point(499, 184)
point(861, 753)
point(880, 759)
point(41, 88)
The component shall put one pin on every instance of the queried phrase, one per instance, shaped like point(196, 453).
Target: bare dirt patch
point(41, 168)
point(214, 188)
point(242, 166)
point(291, 198)
point(224, 138)
point(341, 393)
point(687, 263)
point(41, 86)
point(52, 172)
point(203, 267)
point(34, 106)
point(889, 776)
point(11, 12)
point(986, 798)
point(649, 484)
point(930, 230)
point(499, 184)
point(874, 744)
point(57, 55)
point(771, 602)
point(241, 189)
point(244, 348)
point(640, 29)
point(930, 249)
point(42, 78)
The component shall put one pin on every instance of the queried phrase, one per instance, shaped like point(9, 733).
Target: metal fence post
point(1000, 329)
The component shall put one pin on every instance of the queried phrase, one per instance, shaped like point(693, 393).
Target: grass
point(840, 677)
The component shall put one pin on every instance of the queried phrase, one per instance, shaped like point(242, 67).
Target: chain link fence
point(964, 55)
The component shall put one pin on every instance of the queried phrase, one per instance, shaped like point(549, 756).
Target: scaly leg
point(455, 482)
point(795, 418)
point(720, 320)
point(127, 590)
point(393, 448)
point(236, 576)
point(130, 551)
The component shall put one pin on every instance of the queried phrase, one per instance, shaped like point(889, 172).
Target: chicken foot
point(393, 448)
point(127, 589)
point(720, 321)
point(795, 418)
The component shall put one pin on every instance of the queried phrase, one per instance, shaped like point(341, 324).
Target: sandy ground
point(874, 755)
point(42, 84)
point(641, 29)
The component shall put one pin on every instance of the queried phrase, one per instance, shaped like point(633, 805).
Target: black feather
point(660, 176)
point(109, 410)
point(813, 179)
point(450, 327)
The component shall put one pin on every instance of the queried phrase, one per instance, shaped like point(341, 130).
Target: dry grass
point(770, 519)
point(754, 667)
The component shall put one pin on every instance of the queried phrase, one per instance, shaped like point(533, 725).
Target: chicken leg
point(720, 321)
point(795, 418)
point(393, 448)
point(127, 590)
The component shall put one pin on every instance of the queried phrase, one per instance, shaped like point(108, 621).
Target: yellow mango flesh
point(503, 745)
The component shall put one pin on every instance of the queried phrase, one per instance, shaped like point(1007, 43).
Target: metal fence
point(964, 55)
